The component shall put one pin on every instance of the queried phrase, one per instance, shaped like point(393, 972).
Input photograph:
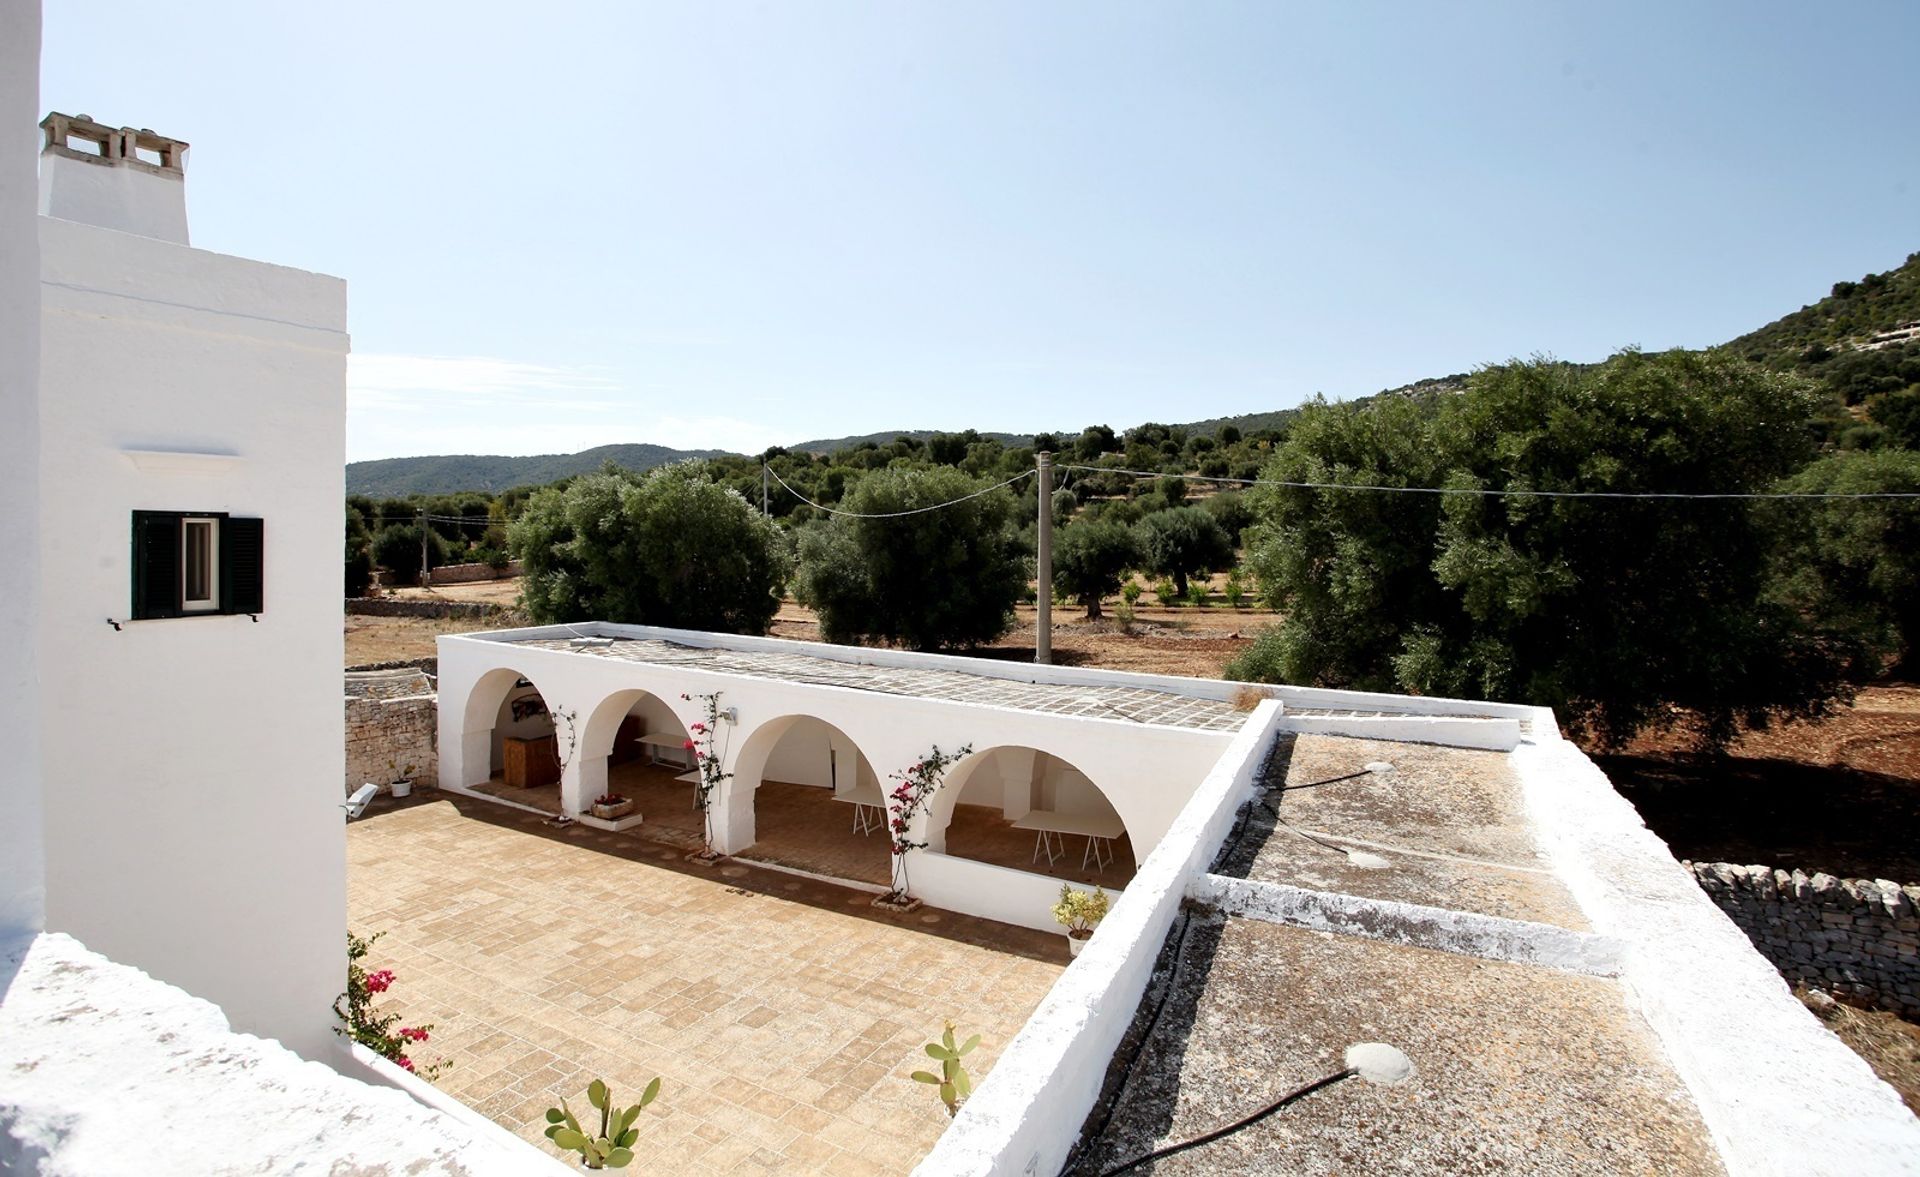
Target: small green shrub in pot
point(1079, 912)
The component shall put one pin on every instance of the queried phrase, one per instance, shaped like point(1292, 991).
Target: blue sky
point(734, 225)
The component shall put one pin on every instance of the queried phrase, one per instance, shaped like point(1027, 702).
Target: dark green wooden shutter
point(156, 564)
point(242, 559)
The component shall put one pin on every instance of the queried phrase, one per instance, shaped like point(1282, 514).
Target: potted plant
point(611, 806)
point(1079, 912)
point(401, 779)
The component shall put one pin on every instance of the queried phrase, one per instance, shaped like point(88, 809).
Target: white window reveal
point(199, 565)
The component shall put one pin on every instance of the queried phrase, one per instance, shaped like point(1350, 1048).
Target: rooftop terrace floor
point(782, 1014)
point(1520, 1068)
point(1448, 821)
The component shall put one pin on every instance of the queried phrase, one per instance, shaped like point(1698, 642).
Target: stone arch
point(486, 721)
point(1015, 780)
point(601, 730)
point(799, 750)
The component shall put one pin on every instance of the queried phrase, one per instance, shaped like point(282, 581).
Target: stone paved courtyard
point(783, 1015)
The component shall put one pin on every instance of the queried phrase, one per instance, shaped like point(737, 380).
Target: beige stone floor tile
point(777, 1011)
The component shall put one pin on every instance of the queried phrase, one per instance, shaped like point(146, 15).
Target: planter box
point(614, 812)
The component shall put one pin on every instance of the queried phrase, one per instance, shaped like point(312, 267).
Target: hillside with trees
point(442, 474)
point(1622, 613)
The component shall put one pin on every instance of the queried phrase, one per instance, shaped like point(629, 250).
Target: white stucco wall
point(1781, 1095)
point(136, 200)
point(22, 859)
point(193, 827)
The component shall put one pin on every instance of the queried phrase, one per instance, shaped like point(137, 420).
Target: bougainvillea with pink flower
point(906, 800)
point(378, 1032)
point(706, 762)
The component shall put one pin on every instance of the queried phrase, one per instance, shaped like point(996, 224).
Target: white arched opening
point(1025, 809)
point(804, 795)
point(509, 747)
point(634, 745)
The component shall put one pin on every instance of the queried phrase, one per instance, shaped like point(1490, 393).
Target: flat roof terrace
point(1138, 704)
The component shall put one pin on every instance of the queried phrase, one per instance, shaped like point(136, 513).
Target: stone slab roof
point(1446, 924)
point(1130, 703)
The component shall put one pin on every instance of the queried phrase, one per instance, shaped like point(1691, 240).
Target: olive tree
point(1182, 542)
point(666, 548)
point(929, 580)
point(1614, 611)
point(1090, 559)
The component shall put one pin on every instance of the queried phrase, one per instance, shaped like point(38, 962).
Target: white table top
point(863, 795)
point(663, 740)
point(1091, 825)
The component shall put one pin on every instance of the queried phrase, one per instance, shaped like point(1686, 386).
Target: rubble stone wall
point(1858, 939)
point(392, 716)
point(469, 573)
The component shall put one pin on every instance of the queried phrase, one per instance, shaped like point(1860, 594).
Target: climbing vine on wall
point(909, 799)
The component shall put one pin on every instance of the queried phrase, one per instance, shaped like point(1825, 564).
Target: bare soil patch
point(1840, 795)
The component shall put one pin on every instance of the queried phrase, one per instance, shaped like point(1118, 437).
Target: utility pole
point(1043, 596)
point(764, 511)
point(426, 575)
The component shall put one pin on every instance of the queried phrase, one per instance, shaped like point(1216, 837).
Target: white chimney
point(115, 178)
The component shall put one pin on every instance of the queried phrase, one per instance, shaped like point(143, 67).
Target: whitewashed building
point(191, 421)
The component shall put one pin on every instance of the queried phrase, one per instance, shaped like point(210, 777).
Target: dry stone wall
point(392, 716)
point(397, 607)
point(469, 573)
point(1858, 939)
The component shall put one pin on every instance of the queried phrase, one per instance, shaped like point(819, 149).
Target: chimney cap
point(115, 146)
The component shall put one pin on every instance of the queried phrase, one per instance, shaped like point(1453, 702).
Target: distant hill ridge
point(493, 473)
point(1878, 311)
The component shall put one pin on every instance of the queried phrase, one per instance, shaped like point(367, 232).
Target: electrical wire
point(893, 514)
point(1485, 492)
point(1229, 1129)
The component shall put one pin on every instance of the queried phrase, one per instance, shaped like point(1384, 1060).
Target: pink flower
point(699, 727)
point(413, 1034)
point(378, 982)
point(688, 745)
point(406, 1064)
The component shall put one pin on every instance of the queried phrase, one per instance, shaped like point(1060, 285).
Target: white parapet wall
point(1025, 1117)
point(105, 1070)
point(1781, 1095)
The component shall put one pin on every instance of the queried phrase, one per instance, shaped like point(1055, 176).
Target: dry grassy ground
point(1890, 1046)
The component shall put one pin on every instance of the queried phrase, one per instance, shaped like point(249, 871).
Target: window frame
point(210, 603)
